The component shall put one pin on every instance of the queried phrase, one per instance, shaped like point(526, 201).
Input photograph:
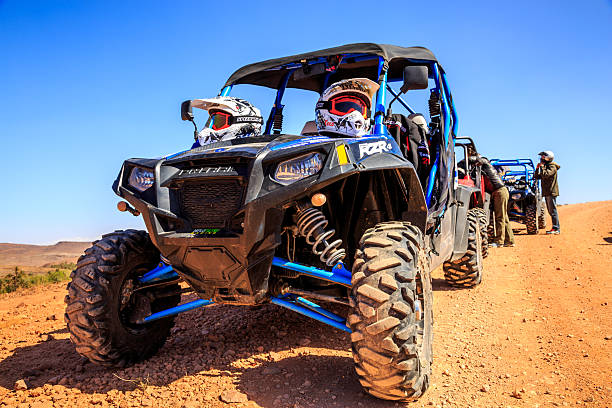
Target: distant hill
point(35, 257)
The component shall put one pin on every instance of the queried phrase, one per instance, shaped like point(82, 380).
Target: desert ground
point(38, 258)
point(536, 332)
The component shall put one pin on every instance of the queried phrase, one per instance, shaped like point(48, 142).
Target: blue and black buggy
point(525, 204)
point(222, 223)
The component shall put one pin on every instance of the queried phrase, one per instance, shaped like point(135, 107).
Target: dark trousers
point(503, 230)
point(551, 205)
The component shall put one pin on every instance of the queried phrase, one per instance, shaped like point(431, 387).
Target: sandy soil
point(536, 332)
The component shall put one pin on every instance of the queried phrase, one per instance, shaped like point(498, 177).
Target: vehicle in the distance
point(525, 204)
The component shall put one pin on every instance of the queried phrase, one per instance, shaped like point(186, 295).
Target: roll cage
point(526, 165)
point(381, 63)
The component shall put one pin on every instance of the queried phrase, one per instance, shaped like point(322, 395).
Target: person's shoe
point(553, 232)
point(510, 245)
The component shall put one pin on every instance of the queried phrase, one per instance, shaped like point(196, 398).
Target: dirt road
point(536, 332)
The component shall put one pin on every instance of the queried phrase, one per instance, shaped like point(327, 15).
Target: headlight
point(516, 196)
point(141, 179)
point(298, 168)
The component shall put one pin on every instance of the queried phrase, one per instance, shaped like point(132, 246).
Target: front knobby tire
point(101, 306)
point(484, 234)
point(531, 219)
point(466, 272)
point(392, 312)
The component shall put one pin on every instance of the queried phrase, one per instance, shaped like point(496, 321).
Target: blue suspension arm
point(161, 272)
point(337, 275)
point(178, 309)
point(309, 313)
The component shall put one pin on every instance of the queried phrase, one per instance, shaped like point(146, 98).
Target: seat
point(310, 129)
point(410, 133)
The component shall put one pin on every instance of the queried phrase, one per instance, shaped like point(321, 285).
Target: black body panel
point(216, 212)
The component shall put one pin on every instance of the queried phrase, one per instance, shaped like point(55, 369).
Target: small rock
point(516, 394)
point(20, 385)
point(52, 317)
point(446, 373)
point(485, 388)
point(260, 349)
point(47, 337)
point(589, 399)
point(608, 338)
point(233, 396)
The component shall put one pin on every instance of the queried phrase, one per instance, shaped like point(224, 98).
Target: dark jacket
point(547, 172)
point(492, 180)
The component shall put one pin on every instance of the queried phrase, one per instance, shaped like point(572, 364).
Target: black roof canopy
point(271, 73)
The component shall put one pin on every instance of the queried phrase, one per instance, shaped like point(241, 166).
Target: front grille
point(211, 203)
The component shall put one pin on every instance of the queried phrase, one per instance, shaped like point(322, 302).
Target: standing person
point(500, 196)
point(547, 172)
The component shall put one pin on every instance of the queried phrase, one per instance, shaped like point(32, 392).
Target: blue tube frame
point(280, 92)
point(379, 111)
point(526, 164)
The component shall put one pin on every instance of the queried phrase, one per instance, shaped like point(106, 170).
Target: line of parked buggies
point(249, 220)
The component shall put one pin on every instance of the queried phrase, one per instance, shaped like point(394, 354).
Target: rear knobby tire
point(484, 234)
point(531, 219)
point(542, 217)
point(466, 272)
point(392, 312)
point(99, 309)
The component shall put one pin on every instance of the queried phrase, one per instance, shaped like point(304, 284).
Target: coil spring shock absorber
point(311, 225)
point(434, 105)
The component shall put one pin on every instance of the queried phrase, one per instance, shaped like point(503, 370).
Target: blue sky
point(84, 85)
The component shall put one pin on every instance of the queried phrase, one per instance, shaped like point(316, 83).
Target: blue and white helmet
point(242, 119)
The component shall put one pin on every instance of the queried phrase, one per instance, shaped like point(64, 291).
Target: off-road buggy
point(526, 203)
point(250, 221)
point(470, 175)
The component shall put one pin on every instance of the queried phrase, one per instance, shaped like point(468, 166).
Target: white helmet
point(231, 118)
point(344, 107)
point(547, 155)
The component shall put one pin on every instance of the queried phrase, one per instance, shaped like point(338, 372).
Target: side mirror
point(415, 77)
point(186, 112)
